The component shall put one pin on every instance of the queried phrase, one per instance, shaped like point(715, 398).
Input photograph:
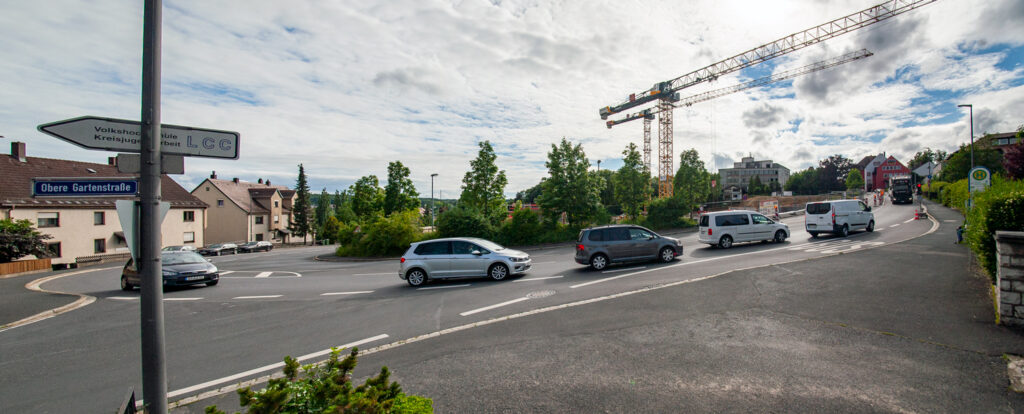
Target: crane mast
point(667, 92)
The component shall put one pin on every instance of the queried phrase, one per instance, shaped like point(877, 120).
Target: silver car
point(460, 257)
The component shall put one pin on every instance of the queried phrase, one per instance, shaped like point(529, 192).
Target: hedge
point(1000, 207)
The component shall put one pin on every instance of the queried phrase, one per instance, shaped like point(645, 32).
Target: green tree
point(367, 198)
point(803, 182)
point(608, 190)
point(756, 187)
point(322, 208)
point(692, 182)
point(854, 181)
point(832, 173)
point(18, 239)
point(1013, 157)
point(959, 163)
point(631, 182)
point(300, 220)
point(399, 193)
point(569, 188)
point(530, 195)
point(483, 186)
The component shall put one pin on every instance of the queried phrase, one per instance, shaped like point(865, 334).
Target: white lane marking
point(375, 274)
point(263, 275)
point(624, 270)
point(124, 297)
point(908, 221)
point(487, 308)
point(950, 221)
point(894, 225)
point(270, 367)
point(181, 299)
point(345, 293)
point(257, 297)
point(227, 272)
point(535, 278)
point(36, 285)
point(442, 287)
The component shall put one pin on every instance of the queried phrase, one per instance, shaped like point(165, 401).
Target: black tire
point(416, 277)
point(212, 282)
point(598, 261)
point(667, 254)
point(845, 230)
point(871, 226)
point(780, 236)
point(814, 234)
point(498, 272)
point(725, 242)
point(125, 285)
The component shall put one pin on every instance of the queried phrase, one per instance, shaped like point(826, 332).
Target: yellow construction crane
point(666, 93)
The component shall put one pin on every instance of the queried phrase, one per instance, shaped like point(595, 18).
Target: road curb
point(83, 300)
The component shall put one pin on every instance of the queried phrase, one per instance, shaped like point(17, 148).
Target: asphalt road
point(283, 303)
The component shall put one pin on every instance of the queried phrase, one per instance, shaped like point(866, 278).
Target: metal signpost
point(154, 143)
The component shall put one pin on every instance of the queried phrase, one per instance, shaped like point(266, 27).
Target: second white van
point(838, 217)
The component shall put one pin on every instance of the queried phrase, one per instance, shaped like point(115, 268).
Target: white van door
point(761, 227)
point(818, 217)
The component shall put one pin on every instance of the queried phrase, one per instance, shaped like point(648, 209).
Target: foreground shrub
point(1000, 207)
point(464, 222)
point(524, 228)
point(384, 236)
point(667, 213)
point(327, 388)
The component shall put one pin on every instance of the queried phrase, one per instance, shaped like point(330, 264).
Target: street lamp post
point(598, 165)
point(432, 215)
point(969, 106)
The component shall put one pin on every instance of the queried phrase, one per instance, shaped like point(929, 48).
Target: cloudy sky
point(345, 87)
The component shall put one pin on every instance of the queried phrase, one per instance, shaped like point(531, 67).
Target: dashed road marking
point(263, 275)
point(257, 297)
point(227, 272)
point(346, 293)
point(536, 278)
point(487, 308)
point(894, 225)
point(443, 287)
point(908, 221)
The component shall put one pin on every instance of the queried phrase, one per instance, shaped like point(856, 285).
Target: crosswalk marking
point(835, 246)
point(227, 272)
point(263, 274)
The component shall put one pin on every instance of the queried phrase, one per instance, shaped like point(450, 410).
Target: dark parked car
point(180, 269)
point(255, 246)
point(601, 246)
point(219, 249)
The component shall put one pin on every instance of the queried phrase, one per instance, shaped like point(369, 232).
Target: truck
point(901, 189)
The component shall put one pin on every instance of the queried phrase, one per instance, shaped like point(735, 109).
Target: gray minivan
point(601, 246)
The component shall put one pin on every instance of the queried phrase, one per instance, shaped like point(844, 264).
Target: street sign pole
point(154, 370)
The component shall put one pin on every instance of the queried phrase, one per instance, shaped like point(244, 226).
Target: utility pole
point(154, 370)
point(432, 202)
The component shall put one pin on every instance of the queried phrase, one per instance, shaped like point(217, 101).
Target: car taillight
point(579, 247)
point(833, 218)
point(709, 231)
point(402, 260)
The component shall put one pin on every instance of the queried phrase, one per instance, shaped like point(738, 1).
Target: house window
point(190, 237)
point(276, 218)
point(54, 249)
point(207, 188)
point(277, 204)
point(259, 236)
point(259, 219)
point(48, 220)
point(99, 218)
point(189, 216)
point(99, 246)
point(220, 203)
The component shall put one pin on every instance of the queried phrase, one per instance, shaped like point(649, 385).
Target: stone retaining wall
point(1010, 276)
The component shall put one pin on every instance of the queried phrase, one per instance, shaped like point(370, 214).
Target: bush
point(524, 228)
point(464, 222)
point(668, 213)
point(954, 195)
point(328, 388)
point(18, 239)
point(385, 236)
point(330, 229)
point(1000, 207)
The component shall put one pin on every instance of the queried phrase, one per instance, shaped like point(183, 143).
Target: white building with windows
point(87, 229)
point(741, 172)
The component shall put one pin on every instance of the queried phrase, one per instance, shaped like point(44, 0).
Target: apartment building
point(741, 173)
point(242, 211)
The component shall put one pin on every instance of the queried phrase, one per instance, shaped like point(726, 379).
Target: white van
point(838, 217)
point(723, 228)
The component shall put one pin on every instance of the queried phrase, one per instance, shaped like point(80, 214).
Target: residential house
point(767, 171)
point(242, 211)
point(867, 167)
point(888, 169)
point(87, 229)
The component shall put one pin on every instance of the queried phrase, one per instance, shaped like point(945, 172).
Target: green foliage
point(348, 233)
point(756, 187)
point(631, 182)
point(608, 190)
point(385, 236)
point(959, 164)
point(923, 157)
point(692, 183)
point(463, 221)
point(668, 213)
point(569, 188)
point(933, 189)
point(832, 173)
point(530, 194)
point(955, 195)
point(1000, 207)
point(483, 186)
point(524, 228)
point(1013, 157)
point(330, 229)
point(343, 207)
point(322, 209)
point(301, 224)
point(854, 181)
point(803, 182)
point(327, 388)
point(19, 239)
point(367, 198)
point(399, 193)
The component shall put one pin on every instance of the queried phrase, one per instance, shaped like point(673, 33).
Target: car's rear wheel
point(725, 242)
point(871, 226)
point(124, 283)
point(845, 231)
point(416, 277)
point(780, 236)
point(667, 254)
point(598, 261)
point(212, 283)
point(498, 272)
point(814, 234)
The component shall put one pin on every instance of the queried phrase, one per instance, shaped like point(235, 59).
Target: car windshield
point(489, 245)
point(181, 258)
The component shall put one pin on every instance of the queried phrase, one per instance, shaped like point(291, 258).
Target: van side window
point(759, 219)
point(596, 235)
point(434, 248)
point(704, 221)
point(863, 207)
point(819, 208)
point(740, 220)
point(618, 234)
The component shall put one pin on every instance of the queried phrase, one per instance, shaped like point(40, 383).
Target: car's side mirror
point(651, 237)
point(869, 208)
point(476, 253)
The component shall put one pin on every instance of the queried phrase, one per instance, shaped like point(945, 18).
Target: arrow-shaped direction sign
point(126, 136)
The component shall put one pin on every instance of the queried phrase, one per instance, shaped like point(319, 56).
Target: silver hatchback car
point(460, 257)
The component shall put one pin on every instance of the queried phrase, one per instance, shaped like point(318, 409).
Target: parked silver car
point(604, 245)
point(460, 257)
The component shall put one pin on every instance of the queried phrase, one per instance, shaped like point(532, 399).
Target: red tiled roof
point(243, 193)
point(16, 184)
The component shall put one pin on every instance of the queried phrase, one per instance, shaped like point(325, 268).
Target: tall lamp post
point(432, 199)
point(968, 106)
point(598, 165)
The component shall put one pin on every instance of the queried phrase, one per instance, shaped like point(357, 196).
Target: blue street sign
point(71, 187)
